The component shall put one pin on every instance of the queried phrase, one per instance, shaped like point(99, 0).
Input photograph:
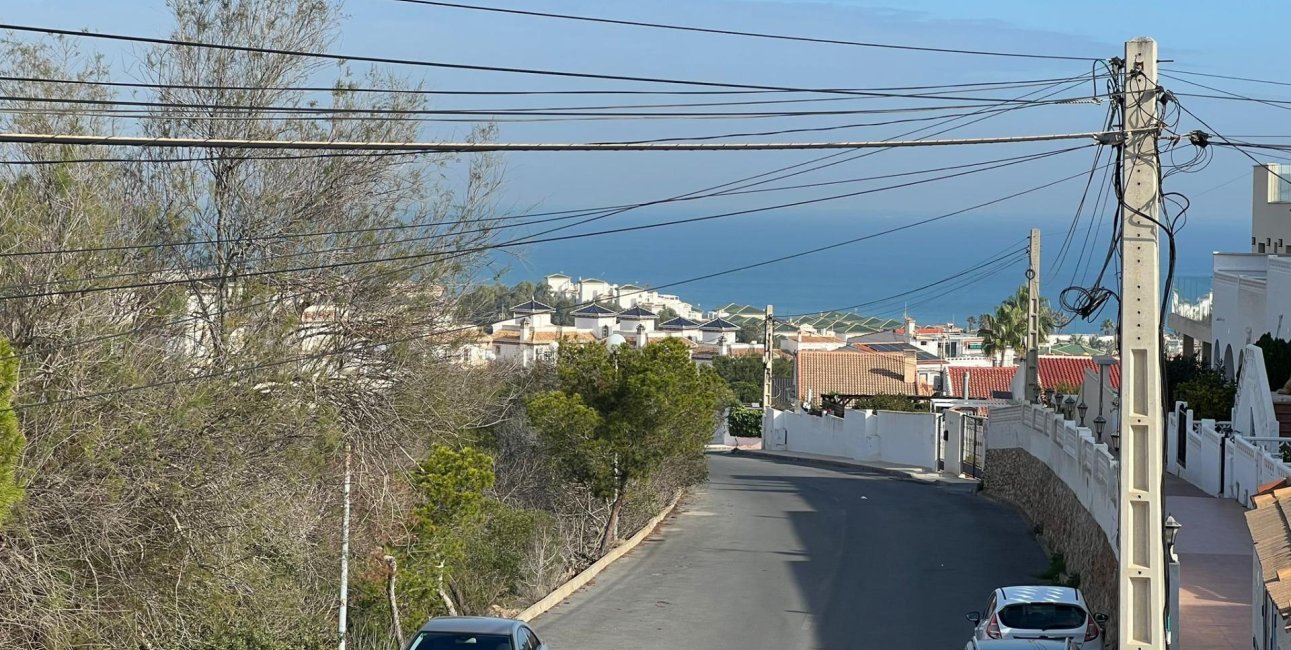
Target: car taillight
point(993, 627)
point(1091, 628)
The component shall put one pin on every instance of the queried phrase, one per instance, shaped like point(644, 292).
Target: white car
point(1020, 644)
point(1040, 613)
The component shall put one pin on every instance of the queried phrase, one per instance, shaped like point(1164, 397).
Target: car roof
point(1040, 594)
point(471, 625)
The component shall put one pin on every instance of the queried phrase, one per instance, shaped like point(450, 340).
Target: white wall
point(1245, 464)
point(884, 436)
point(1277, 320)
point(1070, 451)
point(1253, 413)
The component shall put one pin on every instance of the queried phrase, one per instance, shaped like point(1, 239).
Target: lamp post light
point(1048, 397)
point(1099, 423)
point(1082, 407)
point(1069, 407)
point(1172, 527)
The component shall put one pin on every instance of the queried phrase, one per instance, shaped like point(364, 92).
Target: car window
point(533, 640)
point(1042, 616)
point(460, 641)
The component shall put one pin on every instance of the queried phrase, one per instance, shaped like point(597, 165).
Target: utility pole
point(345, 554)
point(767, 359)
point(1141, 540)
point(1033, 319)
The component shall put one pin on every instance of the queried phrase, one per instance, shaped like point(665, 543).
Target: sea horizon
point(866, 273)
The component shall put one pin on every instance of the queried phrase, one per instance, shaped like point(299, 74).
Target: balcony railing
point(1191, 298)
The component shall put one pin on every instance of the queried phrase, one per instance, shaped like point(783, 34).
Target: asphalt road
point(774, 554)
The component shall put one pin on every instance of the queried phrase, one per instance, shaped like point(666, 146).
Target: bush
point(1209, 395)
point(745, 423)
point(1277, 360)
point(891, 403)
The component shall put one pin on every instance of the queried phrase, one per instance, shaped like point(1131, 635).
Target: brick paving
point(1215, 554)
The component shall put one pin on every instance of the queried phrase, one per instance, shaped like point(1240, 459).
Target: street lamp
point(1172, 527)
point(1082, 407)
point(1048, 396)
point(1099, 423)
point(1069, 407)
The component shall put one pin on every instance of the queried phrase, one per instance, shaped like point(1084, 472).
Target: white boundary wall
point(1070, 451)
point(909, 439)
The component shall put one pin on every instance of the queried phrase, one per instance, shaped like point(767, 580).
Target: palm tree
point(1006, 329)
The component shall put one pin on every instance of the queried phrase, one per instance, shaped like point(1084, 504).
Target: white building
point(807, 338)
point(560, 284)
point(682, 327)
point(718, 331)
point(598, 320)
point(592, 290)
point(1250, 291)
point(529, 335)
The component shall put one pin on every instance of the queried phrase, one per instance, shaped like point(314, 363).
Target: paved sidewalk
point(1215, 553)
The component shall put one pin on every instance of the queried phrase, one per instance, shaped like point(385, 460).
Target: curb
point(848, 464)
point(559, 594)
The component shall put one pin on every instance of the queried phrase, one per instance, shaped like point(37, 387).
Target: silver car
point(475, 633)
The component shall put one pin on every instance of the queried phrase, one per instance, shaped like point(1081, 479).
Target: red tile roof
point(1061, 369)
point(983, 382)
point(821, 372)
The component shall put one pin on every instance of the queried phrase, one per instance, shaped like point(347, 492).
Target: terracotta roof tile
point(851, 373)
point(1268, 524)
point(983, 383)
point(1060, 369)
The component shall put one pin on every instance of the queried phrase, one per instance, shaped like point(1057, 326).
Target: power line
point(746, 182)
point(1008, 254)
point(567, 214)
point(1224, 76)
point(321, 355)
point(729, 32)
point(957, 87)
point(334, 265)
point(593, 111)
point(462, 147)
point(410, 62)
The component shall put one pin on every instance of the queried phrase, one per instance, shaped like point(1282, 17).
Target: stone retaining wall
point(1066, 527)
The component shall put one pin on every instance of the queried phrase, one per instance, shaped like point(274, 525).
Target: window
point(1280, 187)
point(1043, 616)
point(530, 639)
point(460, 641)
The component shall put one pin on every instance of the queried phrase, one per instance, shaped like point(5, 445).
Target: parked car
point(1020, 644)
point(1037, 612)
point(475, 633)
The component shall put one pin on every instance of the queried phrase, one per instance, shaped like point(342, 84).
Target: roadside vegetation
point(195, 346)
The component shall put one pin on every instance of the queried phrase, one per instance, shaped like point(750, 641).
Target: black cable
point(729, 32)
point(408, 62)
point(1223, 76)
point(246, 369)
point(955, 276)
point(968, 87)
point(321, 267)
point(345, 111)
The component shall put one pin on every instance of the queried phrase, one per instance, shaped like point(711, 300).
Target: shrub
point(745, 422)
point(1277, 360)
point(1209, 395)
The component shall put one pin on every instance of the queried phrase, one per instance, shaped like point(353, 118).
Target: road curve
point(778, 554)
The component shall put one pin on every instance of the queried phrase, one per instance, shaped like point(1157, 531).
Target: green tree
point(891, 403)
point(666, 314)
point(1006, 328)
point(751, 331)
point(621, 413)
point(1277, 360)
point(744, 375)
point(12, 441)
point(1209, 394)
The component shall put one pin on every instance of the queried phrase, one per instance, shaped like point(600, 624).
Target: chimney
point(641, 336)
point(723, 348)
point(909, 328)
point(911, 367)
point(526, 331)
point(967, 377)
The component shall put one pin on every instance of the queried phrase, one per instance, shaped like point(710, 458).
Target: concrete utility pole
point(767, 359)
point(1142, 570)
point(1033, 319)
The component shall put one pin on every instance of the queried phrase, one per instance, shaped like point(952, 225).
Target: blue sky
point(1241, 38)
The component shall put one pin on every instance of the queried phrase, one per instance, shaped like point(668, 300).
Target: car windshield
point(1042, 616)
point(460, 641)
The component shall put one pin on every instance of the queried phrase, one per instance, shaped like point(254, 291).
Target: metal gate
point(1181, 444)
point(972, 446)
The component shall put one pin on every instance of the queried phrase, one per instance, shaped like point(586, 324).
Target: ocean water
point(871, 271)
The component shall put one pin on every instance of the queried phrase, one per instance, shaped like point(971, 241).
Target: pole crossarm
point(466, 147)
